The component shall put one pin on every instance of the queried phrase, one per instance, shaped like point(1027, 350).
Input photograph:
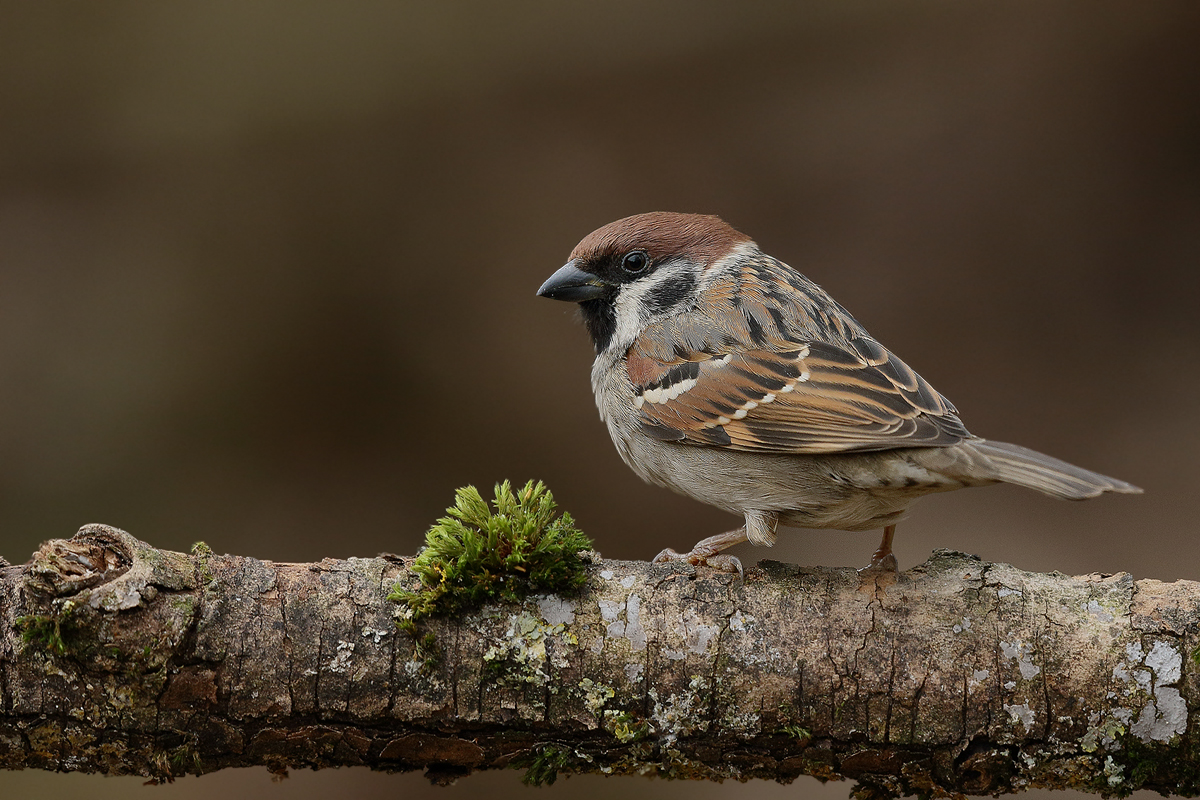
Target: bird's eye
point(634, 262)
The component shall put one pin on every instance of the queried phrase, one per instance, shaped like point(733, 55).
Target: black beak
point(573, 285)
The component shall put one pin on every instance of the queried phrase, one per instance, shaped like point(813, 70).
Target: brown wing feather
point(768, 369)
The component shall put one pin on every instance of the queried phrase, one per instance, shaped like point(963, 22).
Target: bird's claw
point(885, 562)
point(668, 555)
point(721, 562)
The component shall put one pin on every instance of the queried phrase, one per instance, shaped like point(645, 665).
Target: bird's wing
point(777, 366)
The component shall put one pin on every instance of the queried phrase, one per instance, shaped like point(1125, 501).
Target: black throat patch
point(600, 319)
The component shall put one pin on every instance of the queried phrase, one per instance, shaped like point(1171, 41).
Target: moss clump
point(57, 634)
point(543, 765)
point(1156, 767)
point(796, 732)
point(474, 556)
point(427, 651)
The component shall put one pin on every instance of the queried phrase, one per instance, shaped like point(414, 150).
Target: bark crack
point(353, 642)
point(287, 650)
point(319, 662)
point(887, 725)
point(714, 674)
point(1045, 677)
point(393, 657)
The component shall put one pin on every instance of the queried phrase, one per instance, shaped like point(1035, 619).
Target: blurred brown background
point(267, 269)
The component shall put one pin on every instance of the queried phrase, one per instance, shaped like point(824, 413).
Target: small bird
point(727, 376)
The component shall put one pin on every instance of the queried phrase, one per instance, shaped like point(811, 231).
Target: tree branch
point(957, 676)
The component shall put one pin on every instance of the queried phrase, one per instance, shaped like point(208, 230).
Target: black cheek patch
point(669, 294)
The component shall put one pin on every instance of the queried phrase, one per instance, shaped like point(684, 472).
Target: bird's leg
point(707, 552)
point(883, 558)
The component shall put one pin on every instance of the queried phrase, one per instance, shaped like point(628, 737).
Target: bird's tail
point(1025, 467)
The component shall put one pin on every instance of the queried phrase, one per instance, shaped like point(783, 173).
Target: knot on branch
point(119, 570)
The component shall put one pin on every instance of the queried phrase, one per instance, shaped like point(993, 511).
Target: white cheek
point(627, 310)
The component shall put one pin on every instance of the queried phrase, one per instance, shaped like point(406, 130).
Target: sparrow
point(727, 376)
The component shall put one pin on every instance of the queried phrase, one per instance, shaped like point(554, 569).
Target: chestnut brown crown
point(702, 238)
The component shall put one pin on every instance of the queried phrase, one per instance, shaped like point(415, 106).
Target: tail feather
point(1025, 467)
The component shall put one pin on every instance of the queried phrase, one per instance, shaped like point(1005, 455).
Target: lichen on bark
point(957, 676)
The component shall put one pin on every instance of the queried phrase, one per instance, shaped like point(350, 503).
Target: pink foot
point(704, 557)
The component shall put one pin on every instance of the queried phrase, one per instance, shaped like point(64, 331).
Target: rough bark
point(957, 676)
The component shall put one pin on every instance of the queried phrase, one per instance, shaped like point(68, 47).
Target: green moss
point(1155, 765)
point(57, 634)
point(788, 723)
point(474, 555)
point(543, 764)
point(428, 652)
point(796, 732)
point(202, 553)
point(185, 759)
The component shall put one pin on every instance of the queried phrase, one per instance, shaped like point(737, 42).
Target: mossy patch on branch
point(57, 633)
point(796, 732)
point(474, 555)
point(543, 764)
